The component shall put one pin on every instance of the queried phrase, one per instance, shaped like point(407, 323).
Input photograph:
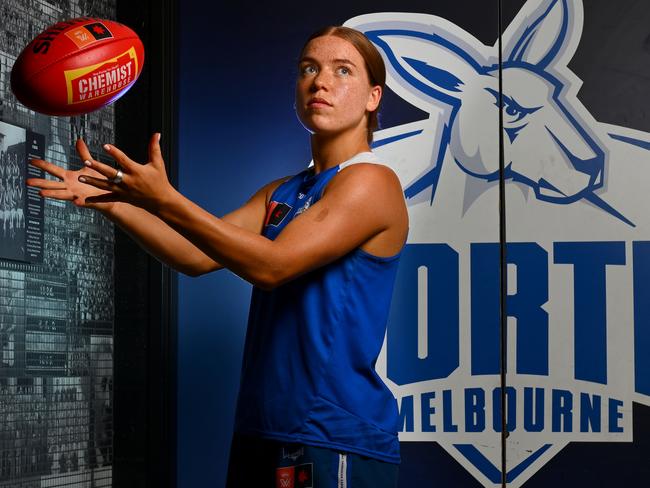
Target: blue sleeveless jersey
point(308, 374)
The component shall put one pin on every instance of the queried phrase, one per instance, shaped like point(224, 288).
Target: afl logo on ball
point(98, 30)
point(89, 33)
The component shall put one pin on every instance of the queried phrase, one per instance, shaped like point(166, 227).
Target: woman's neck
point(328, 151)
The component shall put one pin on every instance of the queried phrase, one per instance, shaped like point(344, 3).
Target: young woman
point(321, 249)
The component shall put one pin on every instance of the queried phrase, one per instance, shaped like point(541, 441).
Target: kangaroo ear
point(542, 36)
point(426, 65)
point(424, 62)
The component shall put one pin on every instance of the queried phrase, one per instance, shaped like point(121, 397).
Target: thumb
point(155, 154)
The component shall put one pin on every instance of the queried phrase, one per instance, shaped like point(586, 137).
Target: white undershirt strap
point(364, 157)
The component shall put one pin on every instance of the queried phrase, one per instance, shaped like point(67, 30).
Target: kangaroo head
point(437, 66)
point(548, 146)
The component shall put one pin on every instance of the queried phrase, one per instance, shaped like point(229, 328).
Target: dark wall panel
point(237, 131)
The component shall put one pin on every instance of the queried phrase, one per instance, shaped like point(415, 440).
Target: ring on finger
point(118, 177)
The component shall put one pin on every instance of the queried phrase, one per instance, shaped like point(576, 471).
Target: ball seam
point(62, 58)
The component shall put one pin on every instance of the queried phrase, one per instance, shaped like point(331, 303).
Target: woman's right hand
point(69, 187)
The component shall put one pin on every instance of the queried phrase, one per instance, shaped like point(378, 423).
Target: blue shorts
point(264, 463)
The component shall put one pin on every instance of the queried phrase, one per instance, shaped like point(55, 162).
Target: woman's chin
point(324, 127)
point(327, 130)
point(314, 125)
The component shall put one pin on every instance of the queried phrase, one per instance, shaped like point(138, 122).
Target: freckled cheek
point(355, 99)
point(345, 92)
point(351, 96)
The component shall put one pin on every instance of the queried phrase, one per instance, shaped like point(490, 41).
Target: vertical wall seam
point(502, 259)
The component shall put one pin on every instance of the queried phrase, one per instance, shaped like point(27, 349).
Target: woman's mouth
point(318, 103)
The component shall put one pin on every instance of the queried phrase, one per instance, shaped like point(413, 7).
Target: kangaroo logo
point(568, 178)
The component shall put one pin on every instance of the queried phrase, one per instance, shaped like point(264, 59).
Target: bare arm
point(346, 217)
point(149, 231)
point(170, 247)
point(363, 206)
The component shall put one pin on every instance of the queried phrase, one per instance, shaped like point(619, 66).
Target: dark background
point(145, 290)
point(237, 130)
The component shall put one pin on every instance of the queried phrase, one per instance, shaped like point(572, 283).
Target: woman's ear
point(374, 97)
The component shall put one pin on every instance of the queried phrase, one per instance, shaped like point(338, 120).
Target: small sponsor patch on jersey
point(276, 212)
point(301, 476)
point(304, 475)
point(285, 477)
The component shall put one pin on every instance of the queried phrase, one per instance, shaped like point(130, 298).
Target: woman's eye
point(344, 71)
point(308, 70)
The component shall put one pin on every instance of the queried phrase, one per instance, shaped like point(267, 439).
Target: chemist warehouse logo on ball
point(102, 79)
point(578, 253)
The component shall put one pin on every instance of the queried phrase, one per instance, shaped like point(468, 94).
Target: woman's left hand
point(143, 185)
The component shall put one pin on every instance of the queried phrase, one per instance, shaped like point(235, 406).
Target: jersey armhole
point(284, 182)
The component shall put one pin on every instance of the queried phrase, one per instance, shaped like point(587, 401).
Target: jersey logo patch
point(300, 476)
point(304, 476)
point(285, 477)
point(276, 213)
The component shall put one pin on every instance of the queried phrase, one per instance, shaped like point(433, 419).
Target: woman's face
point(333, 93)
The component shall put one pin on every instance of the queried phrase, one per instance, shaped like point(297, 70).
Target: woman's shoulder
point(369, 178)
point(370, 168)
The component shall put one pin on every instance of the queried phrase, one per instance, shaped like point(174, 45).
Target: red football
point(77, 66)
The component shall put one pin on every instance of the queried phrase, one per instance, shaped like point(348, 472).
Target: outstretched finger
point(83, 150)
point(98, 183)
point(50, 168)
point(45, 184)
point(155, 154)
point(103, 169)
point(121, 158)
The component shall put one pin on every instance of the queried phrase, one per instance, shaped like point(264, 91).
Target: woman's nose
point(321, 81)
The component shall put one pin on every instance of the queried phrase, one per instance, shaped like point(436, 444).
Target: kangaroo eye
point(512, 109)
point(516, 111)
